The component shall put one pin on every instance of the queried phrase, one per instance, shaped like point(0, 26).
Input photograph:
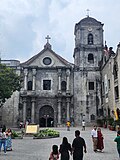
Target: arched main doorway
point(46, 116)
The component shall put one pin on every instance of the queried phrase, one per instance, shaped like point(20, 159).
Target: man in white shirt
point(94, 138)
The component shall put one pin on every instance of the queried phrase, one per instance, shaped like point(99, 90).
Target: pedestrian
point(68, 125)
point(118, 129)
point(117, 140)
point(51, 123)
point(3, 139)
point(65, 148)
point(4, 127)
point(94, 138)
point(9, 140)
point(21, 125)
point(83, 125)
point(77, 146)
point(100, 144)
point(54, 155)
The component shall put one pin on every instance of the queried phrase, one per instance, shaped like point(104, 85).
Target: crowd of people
point(63, 152)
point(5, 139)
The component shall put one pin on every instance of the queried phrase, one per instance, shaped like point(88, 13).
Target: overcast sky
point(24, 25)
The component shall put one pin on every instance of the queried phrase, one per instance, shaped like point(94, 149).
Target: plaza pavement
point(39, 149)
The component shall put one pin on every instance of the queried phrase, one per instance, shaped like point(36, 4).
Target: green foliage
point(110, 120)
point(9, 82)
point(14, 134)
point(47, 133)
point(117, 122)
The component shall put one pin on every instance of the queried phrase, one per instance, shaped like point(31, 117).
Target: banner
point(115, 113)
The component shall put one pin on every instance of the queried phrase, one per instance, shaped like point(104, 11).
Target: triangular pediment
point(47, 58)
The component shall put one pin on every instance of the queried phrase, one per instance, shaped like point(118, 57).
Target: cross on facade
point(47, 38)
point(88, 12)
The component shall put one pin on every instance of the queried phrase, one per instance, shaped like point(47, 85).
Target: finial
point(47, 38)
point(88, 12)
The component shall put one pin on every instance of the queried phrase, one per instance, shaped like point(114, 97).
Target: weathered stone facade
point(110, 75)
point(55, 90)
point(87, 55)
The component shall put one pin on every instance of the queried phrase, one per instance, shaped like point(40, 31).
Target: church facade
point(55, 91)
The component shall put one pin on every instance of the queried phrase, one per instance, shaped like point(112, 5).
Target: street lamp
point(46, 117)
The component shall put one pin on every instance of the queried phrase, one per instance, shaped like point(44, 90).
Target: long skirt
point(9, 144)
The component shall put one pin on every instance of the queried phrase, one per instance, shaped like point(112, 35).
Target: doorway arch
point(46, 116)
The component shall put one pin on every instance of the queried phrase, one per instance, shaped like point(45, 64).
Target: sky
point(24, 24)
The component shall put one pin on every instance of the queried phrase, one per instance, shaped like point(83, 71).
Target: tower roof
point(89, 20)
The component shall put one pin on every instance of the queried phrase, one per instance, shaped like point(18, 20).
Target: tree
point(9, 82)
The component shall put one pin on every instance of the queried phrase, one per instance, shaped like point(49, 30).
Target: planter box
point(47, 137)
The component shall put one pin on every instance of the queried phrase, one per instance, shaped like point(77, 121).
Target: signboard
point(32, 128)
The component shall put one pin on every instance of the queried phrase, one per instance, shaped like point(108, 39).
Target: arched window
point(92, 117)
point(63, 86)
point(29, 85)
point(90, 39)
point(90, 58)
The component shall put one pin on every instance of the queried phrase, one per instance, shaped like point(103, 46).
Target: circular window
point(47, 61)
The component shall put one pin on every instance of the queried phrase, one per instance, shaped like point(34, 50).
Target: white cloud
point(24, 25)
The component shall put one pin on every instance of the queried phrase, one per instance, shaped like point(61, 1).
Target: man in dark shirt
point(77, 146)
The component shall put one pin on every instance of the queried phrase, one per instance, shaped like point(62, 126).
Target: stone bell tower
point(87, 54)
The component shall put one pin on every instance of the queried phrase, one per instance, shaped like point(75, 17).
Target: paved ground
point(34, 149)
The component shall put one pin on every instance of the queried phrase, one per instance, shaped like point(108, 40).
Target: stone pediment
point(47, 58)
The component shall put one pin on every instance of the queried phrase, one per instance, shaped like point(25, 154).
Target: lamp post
point(46, 117)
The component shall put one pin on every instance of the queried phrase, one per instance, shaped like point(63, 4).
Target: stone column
point(59, 111)
point(55, 118)
point(33, 110)
point(34, 78)
point(59, 80)
point(25, 78)
point(68, 109)
point(24, 109)
point(68, 80)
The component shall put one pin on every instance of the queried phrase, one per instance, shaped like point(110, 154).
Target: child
point(83, 125)
point(54, 155)
point(68, 125)
point(117, 139)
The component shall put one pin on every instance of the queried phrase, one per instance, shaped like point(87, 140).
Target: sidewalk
point(39, 149)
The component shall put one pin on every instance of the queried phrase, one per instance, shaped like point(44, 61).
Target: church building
point(54, 90)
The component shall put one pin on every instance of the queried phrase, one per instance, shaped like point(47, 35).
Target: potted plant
point(100, 122)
